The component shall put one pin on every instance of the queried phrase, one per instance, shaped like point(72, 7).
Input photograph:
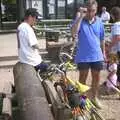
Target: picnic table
point(52, 35)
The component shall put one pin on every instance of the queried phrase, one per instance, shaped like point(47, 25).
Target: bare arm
point(103, 48)
point(76, 27)
point(79, 17)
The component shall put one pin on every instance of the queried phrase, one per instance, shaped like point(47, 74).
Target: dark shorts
point(42, 67)
point(91, 65)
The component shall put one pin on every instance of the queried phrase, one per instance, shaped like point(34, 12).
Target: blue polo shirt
point(89, 37)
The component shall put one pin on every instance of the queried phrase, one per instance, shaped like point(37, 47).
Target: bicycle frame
point(82, 89)
point(76, 111)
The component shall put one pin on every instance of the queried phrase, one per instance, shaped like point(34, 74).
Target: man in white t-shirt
point(105, 16)
point(27, 42)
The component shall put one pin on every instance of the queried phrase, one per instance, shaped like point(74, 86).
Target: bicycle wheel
point(95, 115)
point(59, 110)
point(51, 93)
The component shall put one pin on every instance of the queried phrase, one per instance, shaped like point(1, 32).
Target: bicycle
point(67, 96)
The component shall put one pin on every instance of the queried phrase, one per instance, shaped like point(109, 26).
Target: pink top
point(113, 78)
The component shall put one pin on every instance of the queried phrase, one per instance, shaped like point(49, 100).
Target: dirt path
point(111, 110)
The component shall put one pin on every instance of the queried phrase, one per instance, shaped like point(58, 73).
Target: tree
point(9, 1)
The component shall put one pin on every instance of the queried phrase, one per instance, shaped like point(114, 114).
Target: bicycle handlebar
point(63, 54)
point(56, 68)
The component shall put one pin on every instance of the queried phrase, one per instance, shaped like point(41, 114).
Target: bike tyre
point(60, 112)
point(96, 115)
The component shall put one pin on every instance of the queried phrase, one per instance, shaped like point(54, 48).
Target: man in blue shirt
point(90, 50)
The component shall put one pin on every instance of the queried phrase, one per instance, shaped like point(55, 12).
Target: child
point(111, 82)
point(115, 35)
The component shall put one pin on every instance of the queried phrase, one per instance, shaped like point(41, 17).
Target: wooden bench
point(41, 31)
point(55, 24)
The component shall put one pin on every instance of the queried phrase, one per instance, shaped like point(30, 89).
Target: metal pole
point(30, 3)
point(20, 10)
point(0, 16)
point(45, 9)
point(56, 9)
point(118, 1)
point(65, 8)
point(75, 7)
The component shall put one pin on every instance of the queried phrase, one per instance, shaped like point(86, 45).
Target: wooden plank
point(54, 44)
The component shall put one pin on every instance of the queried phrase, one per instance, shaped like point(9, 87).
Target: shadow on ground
point(108, 95)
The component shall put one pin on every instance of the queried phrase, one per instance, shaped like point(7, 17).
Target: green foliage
point(9, 1)
point(50, 23)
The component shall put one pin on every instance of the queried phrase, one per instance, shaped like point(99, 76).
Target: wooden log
point(30, 94)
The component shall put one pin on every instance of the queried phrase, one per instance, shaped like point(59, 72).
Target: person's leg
point(95, 82)
point(83, 72)
point(83, 76)
point(96, 67)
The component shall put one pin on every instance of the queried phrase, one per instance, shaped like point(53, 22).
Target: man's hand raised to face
point(82, 12)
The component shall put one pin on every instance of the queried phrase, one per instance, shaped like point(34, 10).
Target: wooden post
point(30, 94)
point(7, 109)
point(0, 15)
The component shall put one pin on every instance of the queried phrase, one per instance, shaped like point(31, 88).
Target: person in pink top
point(111, 82)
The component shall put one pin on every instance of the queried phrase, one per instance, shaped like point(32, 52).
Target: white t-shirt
point(26, 39)
point(115, 30)
point(105, 16)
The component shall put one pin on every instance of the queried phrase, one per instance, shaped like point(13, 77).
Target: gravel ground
point(110, 111)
